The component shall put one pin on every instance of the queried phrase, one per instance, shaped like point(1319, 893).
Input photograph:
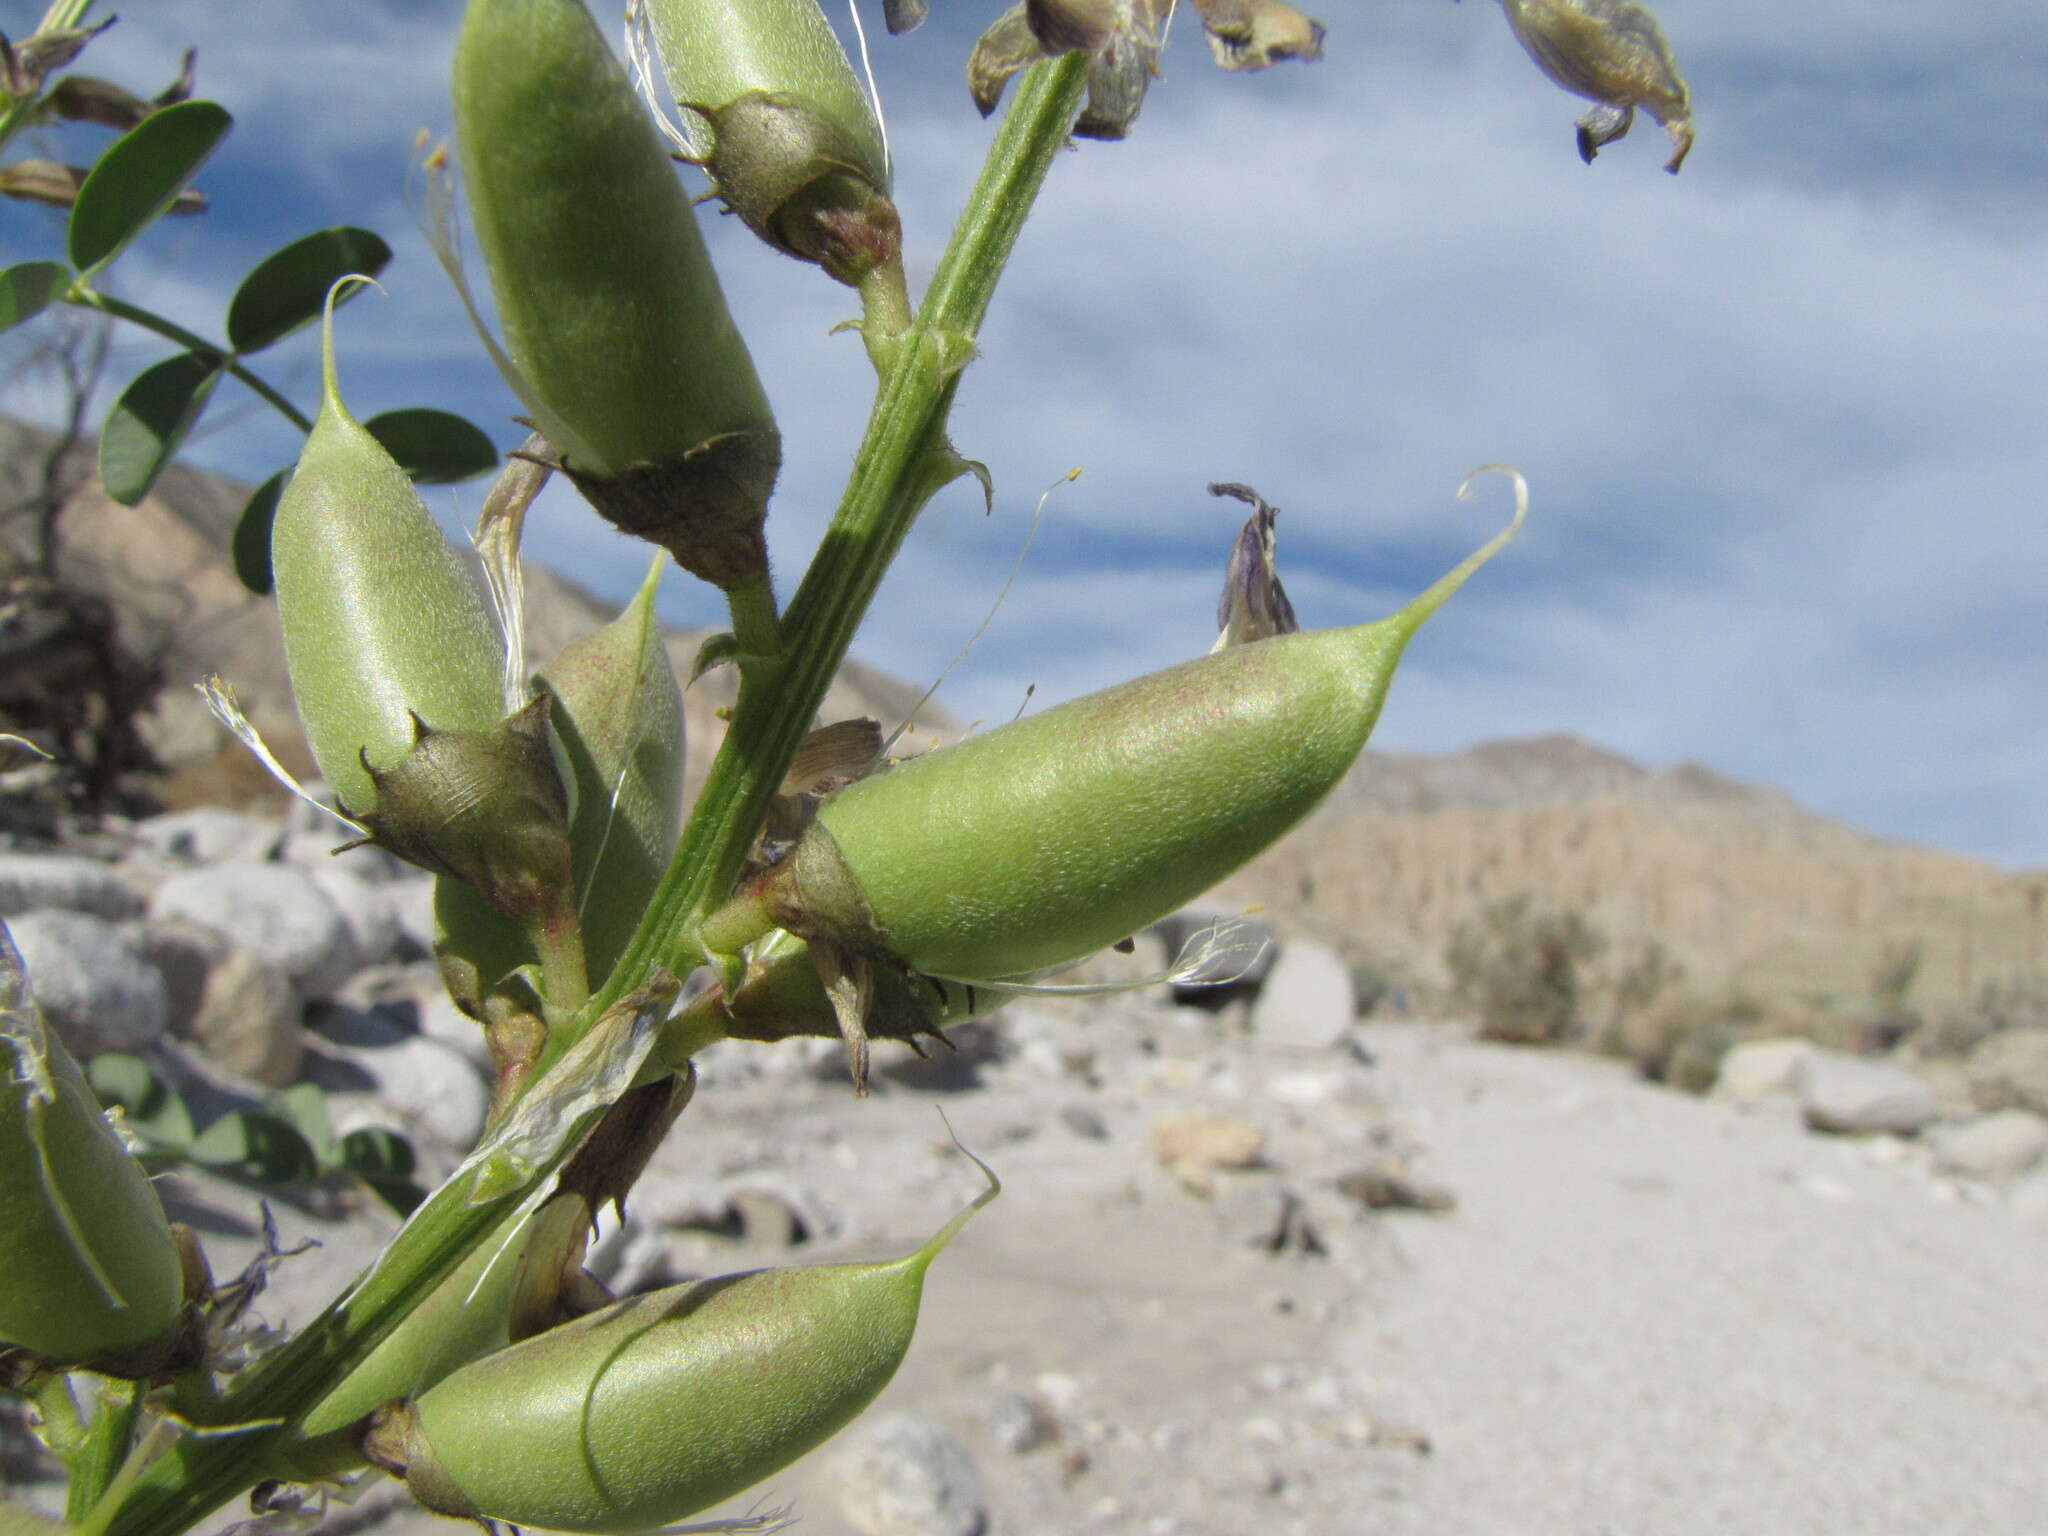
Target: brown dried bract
point(1122, 39)
point(1611, 52)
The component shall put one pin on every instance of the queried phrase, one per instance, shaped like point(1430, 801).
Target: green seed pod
point(794, 146)
point(1041, 841)
point(381, 620)
point(463, 1320)
point(618, 332)
point(652, 1409)
point(619, 716)
point(89, 1264)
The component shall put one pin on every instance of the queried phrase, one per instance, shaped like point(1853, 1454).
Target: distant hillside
point(1739, 880)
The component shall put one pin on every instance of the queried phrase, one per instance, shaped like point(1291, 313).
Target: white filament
point(221, 704)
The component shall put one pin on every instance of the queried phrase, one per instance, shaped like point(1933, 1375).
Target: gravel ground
point(1656, 1314)
point(1648, 1314)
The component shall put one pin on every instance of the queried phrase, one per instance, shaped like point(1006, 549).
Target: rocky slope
point(1748, 888)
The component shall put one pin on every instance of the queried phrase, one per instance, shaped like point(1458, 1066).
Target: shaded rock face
point(1851, 1096)
point(236, 1007)
point(275, 911)
point(901, 1474)
point(95, 986)
point(2010, 1071)
point(1737, 880)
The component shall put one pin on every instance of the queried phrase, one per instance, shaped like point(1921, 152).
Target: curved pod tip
point(1037, 843)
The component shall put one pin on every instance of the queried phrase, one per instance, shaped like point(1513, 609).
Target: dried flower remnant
point(1613, 53)
point(1123, 38)
point(1254, 605)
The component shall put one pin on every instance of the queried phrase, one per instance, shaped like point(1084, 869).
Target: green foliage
point(1037, 843)
point(1518, 968)
point(143, 175)
point(286, 289)
point(150, 420)
point(91, 1266)
point(285, 1146)
point(137, 179)
point(743, 1374)
point(28, 289)
point(382, 623)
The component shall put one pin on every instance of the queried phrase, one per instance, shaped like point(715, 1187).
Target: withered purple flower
point(1254, 604)
point(1123, 38)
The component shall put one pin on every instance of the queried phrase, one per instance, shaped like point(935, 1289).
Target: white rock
point(314, 848)
point(1762, 1069)
point(275, 911)
point(1305, 1088)
point(1306, 1002)
point(1998, 1146)
point(900, 1474)
point(366, 907)
point(236, 1007)
point(2029, 1198)
point(96, 988)
point(1020, 1424)
point(31, 882)
point(440, 1019)
point(378, 1073)
point(1850, 1096)
point(2009, 1070)
point(209, 834)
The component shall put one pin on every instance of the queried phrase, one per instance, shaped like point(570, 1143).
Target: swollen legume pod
point(381, 620)
point(1041, 841)
point(88, 1264)
point(625, 352)
point(654, 1408)
point(788, 136)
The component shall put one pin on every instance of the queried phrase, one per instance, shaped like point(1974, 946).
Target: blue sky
point(1782, 415)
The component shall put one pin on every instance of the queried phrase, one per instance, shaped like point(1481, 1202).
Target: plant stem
point(755, 624)
point(892, 477)
point(199, 1473)
point(891, 480)
point(106, 1445)
point(92, 298)
point(884, 312)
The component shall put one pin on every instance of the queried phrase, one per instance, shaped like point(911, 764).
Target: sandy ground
point(1648, 1315)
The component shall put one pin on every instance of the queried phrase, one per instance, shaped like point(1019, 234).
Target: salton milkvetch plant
point(597, 937)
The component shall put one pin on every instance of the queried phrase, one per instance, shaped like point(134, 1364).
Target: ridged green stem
point(890, 483)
